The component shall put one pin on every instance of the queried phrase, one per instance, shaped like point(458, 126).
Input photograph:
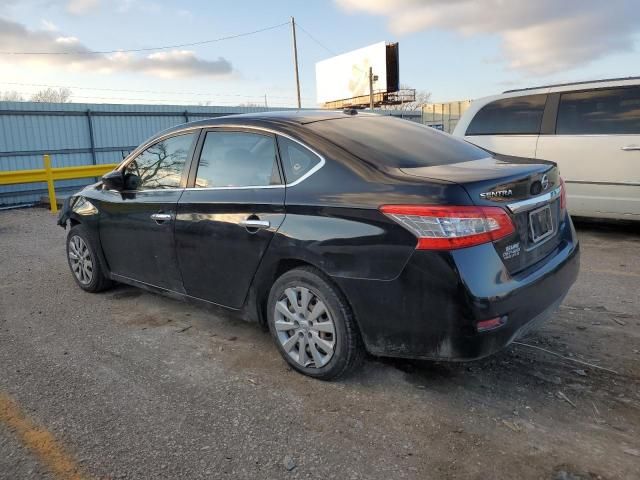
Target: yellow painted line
point(39, 441)
point(612, 272)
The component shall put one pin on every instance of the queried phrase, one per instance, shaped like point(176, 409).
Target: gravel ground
point(135, 385)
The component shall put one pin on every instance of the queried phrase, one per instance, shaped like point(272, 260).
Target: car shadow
point(606, 226)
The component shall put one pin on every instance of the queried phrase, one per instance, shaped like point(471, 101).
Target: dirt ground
point(128, 384)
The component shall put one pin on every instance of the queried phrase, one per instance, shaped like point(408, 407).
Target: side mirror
point(131, 182)
point(113, 180)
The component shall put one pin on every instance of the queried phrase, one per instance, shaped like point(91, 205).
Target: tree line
point(48, 95)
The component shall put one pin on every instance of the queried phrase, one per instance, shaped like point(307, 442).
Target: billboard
point(347, 76)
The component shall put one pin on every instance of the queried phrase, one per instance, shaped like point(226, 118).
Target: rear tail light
point(491, 324)
point(451, 227)
point(563, 195)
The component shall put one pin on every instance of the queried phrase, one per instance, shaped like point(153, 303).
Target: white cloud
point(67, 40)
point(48, 25)
point(81, 7)
point(15, 37)
point(538, 36)
point(168, 64)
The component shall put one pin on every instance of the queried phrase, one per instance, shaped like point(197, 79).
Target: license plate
point(541, 223)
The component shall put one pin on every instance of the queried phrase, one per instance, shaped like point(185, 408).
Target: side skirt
point(199, 302)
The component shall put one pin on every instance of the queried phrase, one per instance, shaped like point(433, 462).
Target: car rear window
point(396, 143)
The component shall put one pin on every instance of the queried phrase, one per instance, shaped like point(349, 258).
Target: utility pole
point(371, 88)
point(295, 58)
point(265, 101)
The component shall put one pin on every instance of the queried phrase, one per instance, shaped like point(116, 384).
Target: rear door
point(136, 226)
point(229, 213)
point(596, 144)
point(508, 126)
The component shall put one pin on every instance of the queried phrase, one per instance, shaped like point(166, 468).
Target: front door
point(229, 214)
point(137, 225)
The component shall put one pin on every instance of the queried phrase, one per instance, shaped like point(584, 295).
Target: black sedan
point(344, 232)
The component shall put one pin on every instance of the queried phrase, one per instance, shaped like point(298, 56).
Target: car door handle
point(161, 217)
point(630, 148)
point(254, 223)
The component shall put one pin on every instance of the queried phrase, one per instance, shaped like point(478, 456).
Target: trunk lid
point(527, 189)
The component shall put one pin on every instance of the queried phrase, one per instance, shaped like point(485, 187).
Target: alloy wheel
point(304, 327)
point(80, 260)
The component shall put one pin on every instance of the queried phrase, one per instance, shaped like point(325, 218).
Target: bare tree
point(422, 98)
point(51, 95)
point(159, 166)
point(11, 96)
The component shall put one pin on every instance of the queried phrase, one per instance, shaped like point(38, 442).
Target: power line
point(149, 49)
point(164, 92)
point(332, 52)
point(316, 40)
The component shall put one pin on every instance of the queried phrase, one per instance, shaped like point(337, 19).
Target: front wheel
point(83, 261)
point(312, 325)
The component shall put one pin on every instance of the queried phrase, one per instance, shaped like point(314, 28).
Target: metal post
point(295, 59)
point(371, 88)
point(50, 187)
point(92, 142)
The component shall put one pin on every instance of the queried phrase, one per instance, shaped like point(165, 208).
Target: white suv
point(590, 129)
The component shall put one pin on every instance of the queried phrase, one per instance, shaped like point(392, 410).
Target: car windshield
point(396, 143)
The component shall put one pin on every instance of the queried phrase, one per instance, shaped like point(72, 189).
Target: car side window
point(296, 159)
point(237, 159)
point(161, 165)
point(607, 111)
point(509, 116)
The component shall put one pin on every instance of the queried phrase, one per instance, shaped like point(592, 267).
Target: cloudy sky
point(456, 49)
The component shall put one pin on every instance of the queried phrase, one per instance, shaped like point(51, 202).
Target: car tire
point(306, 310)
point(83, 261)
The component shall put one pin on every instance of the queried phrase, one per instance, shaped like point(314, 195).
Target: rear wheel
point(312, 325)
point(83, 261)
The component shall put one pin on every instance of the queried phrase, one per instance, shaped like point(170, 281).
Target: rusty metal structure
point(379, 99)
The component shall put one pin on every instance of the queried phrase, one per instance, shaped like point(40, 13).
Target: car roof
point(606, 82)
point(296, 116)
point(284, 121)
point(281, 118)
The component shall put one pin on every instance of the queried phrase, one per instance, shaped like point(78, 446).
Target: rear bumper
point(432, 308)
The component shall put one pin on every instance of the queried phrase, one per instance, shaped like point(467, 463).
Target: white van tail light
point(450, 227)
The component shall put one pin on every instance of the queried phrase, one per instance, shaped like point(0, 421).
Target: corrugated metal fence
point(83, 134)
point(444, 116)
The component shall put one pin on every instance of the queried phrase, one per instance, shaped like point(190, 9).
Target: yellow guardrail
point(50, 175)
